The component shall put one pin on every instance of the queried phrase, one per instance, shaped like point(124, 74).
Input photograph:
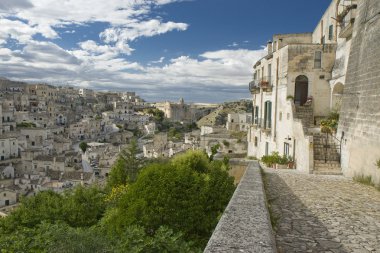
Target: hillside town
point(55, 138)
point(293, 165)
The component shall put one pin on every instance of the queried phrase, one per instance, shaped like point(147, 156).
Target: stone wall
point(245, 224)
point(359, 125)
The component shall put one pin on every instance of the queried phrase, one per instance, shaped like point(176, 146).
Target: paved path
point(323, 213)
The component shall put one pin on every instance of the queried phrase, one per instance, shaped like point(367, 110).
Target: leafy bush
point(366, 180)
point(330, 125)
point(226, 143)
point(173, 206)
point(26, 125)
point(290, 97)
point(378, 163)
point(274, 158)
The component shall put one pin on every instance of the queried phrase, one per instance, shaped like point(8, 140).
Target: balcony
point(266, 83)
point(264, 125)
point(254, 87)
point(346, 19)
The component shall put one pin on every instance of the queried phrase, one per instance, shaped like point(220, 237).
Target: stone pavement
point(323, 213)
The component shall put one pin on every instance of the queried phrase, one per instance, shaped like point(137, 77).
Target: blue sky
point(202, 50)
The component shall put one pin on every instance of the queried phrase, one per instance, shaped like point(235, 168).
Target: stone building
point(8, 197)
point(359, 125)
point(298, 83)
point(176, 111)
point(8, 146)
point(239, 121)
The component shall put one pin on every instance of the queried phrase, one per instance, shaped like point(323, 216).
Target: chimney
point(270, 47)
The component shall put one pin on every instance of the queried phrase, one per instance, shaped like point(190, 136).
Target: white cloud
point(17, 30)
point(11, 5)
point(127, 18)
point(135, 30)
point(161, 60)
point(102, 64)
point(235, 44)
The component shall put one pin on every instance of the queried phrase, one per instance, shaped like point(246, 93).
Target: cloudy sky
point(202, 50)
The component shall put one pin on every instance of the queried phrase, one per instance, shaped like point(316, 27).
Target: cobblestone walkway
point(323, 213)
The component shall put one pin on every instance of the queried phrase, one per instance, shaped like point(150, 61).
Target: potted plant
point(290, 163)
point(282, 162)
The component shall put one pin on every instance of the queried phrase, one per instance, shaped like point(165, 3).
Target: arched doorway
point(301, 90)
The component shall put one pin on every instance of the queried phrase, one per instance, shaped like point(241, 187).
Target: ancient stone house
point(296, 85)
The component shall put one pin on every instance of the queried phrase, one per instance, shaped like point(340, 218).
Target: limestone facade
point(238, 121)
point(298, 83)
point(359, 125)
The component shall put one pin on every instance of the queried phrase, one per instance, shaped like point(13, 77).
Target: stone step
point(316, 161)
point(328, 172)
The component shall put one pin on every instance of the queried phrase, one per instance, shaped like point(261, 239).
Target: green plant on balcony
point(289, 97)
point(340, 16)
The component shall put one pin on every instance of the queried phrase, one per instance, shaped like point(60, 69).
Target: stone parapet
point(245, 225)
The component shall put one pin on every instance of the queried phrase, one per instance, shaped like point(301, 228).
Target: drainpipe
point(336, 21)
point(275, 101)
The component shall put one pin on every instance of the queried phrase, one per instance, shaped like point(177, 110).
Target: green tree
point(118, 174)
point(80, 207)
point(214, 151)
point(184, 194)
point(126, 168)
point(83, 146)
point(83, 207)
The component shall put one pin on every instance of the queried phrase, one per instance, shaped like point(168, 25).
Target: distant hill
point(218, 117)
point(6, 83)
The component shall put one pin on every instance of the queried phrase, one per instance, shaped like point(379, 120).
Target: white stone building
point(239, 121)
point(8, 147)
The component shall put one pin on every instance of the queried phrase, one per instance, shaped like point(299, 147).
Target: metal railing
point(254, 87)
point(347, 16)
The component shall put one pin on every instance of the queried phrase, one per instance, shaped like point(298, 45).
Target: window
point(33, 143)
point(266, 148)
point(268, 114)
point(270, 74)
point(331, 32)
point(286, 149)
point(256, 141)
point(318, 60)
point(280, 116)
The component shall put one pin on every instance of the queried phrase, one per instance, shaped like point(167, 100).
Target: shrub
point(378, 163)
point(274, 158)
point(290, 97)
point(330, 125)
point(366, 180)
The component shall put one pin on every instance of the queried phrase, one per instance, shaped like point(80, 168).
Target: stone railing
point(245, 225)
